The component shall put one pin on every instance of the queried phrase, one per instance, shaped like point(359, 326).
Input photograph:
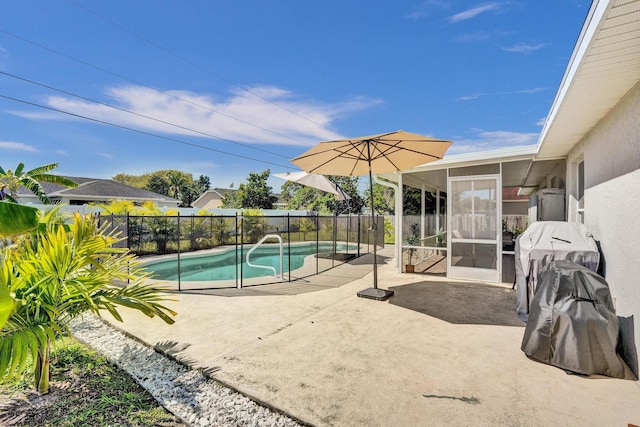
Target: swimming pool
point(222, 265)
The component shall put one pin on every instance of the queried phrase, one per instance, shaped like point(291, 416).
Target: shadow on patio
point(460, 303)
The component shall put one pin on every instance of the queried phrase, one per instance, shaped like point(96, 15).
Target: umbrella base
point(375, 293)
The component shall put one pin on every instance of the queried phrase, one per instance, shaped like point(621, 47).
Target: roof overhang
point(604, 66)
point(519, 168)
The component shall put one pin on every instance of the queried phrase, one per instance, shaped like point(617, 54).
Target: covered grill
point(572, 322)
point(546, 241)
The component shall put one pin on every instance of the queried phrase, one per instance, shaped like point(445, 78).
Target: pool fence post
point(348, 228)
point(359, 236)
point(179, 283)
point(335, 240)
point(317, 215)
point(126, 228)
point(288, 246)
point(241, 247)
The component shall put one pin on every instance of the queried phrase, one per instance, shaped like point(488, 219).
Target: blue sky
point(228, 87)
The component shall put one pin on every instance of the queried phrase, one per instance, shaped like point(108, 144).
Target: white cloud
point(481, 36)
point(490, 140)
point(106, 155)
point(198, 168)
point(513, 92)
point(261, 114)
point(541, 122)
point(473, 12)
point(425, 9)
point(61, 152)
point(524, 47)
point(17, 146)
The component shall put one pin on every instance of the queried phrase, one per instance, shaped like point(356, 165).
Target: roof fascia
point(589, 29)
point(512, 154)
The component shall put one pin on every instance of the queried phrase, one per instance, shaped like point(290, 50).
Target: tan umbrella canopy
point(373, 154)
point(387, 152)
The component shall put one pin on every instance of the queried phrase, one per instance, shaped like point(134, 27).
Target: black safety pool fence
point(215, 251)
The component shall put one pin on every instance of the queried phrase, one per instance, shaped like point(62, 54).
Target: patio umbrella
point(373, 154)
point(314, 180)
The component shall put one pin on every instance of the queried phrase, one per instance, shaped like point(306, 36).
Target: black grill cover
point(572, 322)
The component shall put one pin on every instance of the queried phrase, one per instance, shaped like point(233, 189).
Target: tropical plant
point(14, 219)
point(413, 239)
point(230, 199)
point(440, 237)
point(222, 230)
point(10, 181)
point(389, 231)
point(253, 225)
point(56, 275)
point(198, 228)
point(306, 226)
point(117, 207)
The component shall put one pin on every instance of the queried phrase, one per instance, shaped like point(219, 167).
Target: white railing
point(268, 267)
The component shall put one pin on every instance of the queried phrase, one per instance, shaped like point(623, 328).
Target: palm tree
point(177, 183)
point(10, 181)
point(58, 275)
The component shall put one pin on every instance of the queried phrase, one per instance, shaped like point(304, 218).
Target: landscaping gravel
point(188, 394)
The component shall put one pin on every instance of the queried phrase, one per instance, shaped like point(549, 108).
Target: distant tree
point(11, 181)
point(169, 182)
point(158, 184)
point(412, 204)
point(383, 199)
point(202, 184)
point(349, 185)
point(230, 199)
point(138, 181)
point(256, 193)
point(195, 190)
point(298, 196)
point(302, 197)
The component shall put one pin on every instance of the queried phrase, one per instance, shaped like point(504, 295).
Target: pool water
point(222, 265)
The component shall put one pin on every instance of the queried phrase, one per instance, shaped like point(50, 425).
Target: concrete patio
point(437, 353)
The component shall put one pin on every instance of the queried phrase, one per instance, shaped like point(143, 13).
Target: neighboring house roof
point(212, 199)
point(97, 190)
point(604, 66)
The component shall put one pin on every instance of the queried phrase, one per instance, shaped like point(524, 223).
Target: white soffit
point(429, 173)
point(604, 66)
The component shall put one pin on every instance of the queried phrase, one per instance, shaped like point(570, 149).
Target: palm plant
point(177, 184)
point(11, 180)
point(59, 274)
point(14, 219)
point(223, 229)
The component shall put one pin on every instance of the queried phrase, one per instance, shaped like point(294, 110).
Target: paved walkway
point(437, 353)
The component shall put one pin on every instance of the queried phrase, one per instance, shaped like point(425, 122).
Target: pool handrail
point(275, 273)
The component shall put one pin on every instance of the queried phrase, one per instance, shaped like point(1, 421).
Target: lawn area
point(85, 390)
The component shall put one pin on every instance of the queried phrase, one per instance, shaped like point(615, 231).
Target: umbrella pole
point(374, 226)
point(374, 293)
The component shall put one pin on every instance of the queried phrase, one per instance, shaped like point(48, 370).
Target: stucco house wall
point(611, 153)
